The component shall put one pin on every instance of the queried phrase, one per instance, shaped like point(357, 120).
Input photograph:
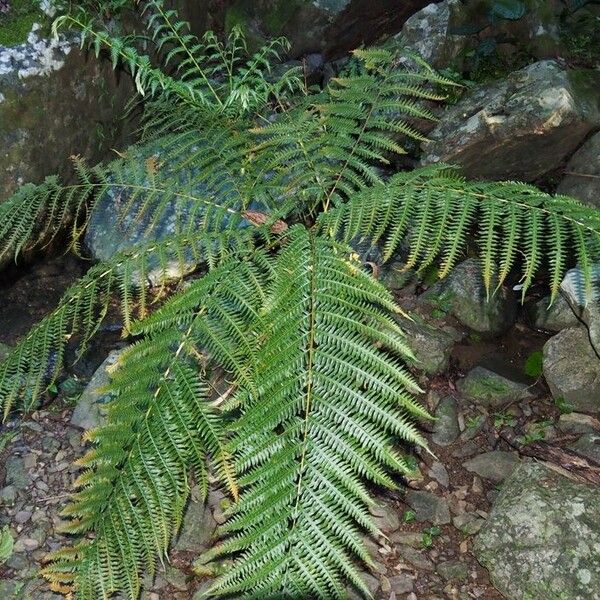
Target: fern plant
point(279, 183)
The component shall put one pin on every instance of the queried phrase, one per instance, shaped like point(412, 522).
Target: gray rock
point(416, 557)
point(583, 174)
point(439, 473)
point(428, 507)
point(521, 127)
point(197, 529)
point(492, 389)
point(446, 429)
point(430, 345)
point(330, 26)
point(575, 423)
point(385, 518)
point(8, 495)
point(553, 317)
point(542, 538)
point(453, 570)
point(90, 411)
point(572, 369)
point(588, 445)
point(496, 465)
point(468, 523)
point(463, 294)
point(116, 225)
point(16, 473)
point(585, 305)
point(401, 584)
point(428, 33)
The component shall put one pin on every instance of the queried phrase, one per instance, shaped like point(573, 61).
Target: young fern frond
point(317, 424)
point(434, 210)
point(35, 362)
point(160, 426)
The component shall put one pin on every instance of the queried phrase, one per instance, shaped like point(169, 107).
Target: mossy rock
point(16, 24)
point(542, 538)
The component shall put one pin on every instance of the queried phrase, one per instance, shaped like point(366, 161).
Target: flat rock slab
point(492, 389)
point(542, 538)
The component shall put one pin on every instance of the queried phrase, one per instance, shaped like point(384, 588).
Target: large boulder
point(521, 127)
point(585, 304)
point(572, 369)
point(122, 218)
point(582, 179)
point(330, 26)
point(542, 538)
point(55, 101)
point(463, 294)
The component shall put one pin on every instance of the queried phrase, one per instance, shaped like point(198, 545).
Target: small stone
point(588, 445)
point(90, 411)
point(453, 571)
point(407, 538)
point(439, 473)
point(553, 317)
point(8, 495)
point(197, 529)
point(492, 389)
point(16, 473)
point(385, 518)
point(446, 429)
point(577, 423)
point(463, 295)
point(30, 544)
point(415, 557)
point(30, 460)
point(468, 523)
point(572, 369)
point(176, 578)
point(401, 584)
point(22, 517)
point(495, 466)
point(428, 507)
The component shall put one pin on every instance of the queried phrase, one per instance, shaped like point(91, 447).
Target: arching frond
point(35, 362)
point(332, 145)
point(436, 211)
point(320, 422)
point(160, 426)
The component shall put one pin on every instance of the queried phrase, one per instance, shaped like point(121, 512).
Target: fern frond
point(35, 362)
point(330, 147)
point(436, 211)
point(160, 425)
point(320, 423)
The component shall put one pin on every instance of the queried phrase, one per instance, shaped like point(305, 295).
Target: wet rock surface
point(521, 127)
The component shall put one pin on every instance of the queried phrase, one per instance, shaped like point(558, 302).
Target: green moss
point(15, 25)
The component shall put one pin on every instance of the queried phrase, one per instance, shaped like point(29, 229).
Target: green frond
point(330, 147)
point(321, 421)
point(35, 362)
point(435, 211)
point(160, 426)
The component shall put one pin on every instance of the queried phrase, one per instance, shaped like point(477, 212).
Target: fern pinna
point(278, 183)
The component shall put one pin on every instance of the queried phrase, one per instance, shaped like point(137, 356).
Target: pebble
point(22, 516)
